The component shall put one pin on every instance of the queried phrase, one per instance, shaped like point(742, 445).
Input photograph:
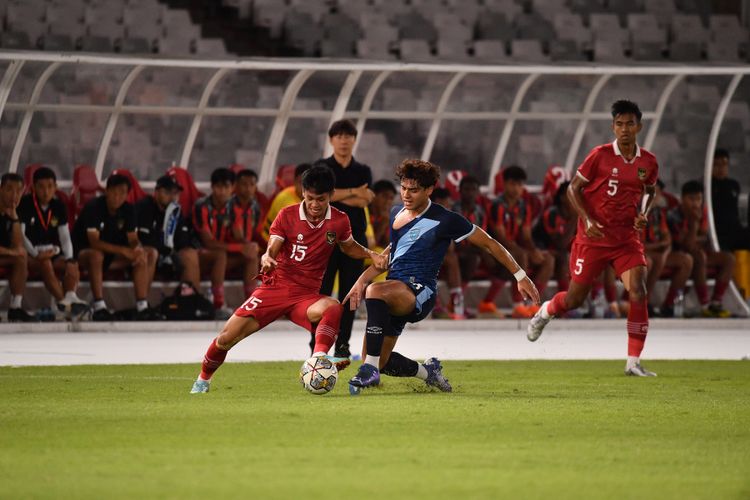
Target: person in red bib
point(612, 193)
point(302, 239)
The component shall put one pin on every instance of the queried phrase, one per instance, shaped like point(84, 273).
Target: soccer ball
point(318, 375)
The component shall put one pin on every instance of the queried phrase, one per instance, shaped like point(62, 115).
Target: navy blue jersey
point(418, 248)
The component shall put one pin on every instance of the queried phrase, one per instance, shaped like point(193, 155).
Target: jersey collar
point(619, 153)
point(303, 216)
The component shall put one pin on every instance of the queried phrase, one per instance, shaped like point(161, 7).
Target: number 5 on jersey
point(298, 252)
point(612, 187)
point(579, 267)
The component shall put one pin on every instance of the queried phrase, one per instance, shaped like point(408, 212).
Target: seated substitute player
point(555, 232)
point(510, 223)
point(212, 219)
point(164, 233)
point(301, 242)
point(450, 269)
point(12, 254)
point(612, 193)
point(658, 244)
point(44, 222)
point(688, 223)
point(244, 249)
point(104, 237)
point(421, 233)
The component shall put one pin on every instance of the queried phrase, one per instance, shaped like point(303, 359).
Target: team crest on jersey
point(54, 222)
point(642, 174)
point(299, 237)
point(414, 234)
point(330, 237)
point(615, 172)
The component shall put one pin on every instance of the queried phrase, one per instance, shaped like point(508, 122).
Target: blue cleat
point(367, 376)
point(200, 386)
point(435, 377)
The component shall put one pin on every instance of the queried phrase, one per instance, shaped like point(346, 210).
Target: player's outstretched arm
point(593, 228)
point(268, 259)
point(483, 240)
point(357, 293)
point(356, 251)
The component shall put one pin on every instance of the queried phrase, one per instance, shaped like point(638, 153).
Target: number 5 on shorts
point(251, 303)
point(579, 267)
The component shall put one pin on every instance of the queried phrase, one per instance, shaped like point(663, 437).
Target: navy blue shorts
point(426, 298)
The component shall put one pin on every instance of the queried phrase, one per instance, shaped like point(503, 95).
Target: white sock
point(99, 305)
point(545, 313)
point(204, 379)
point(141, 305)
point(421, 372)
point(632, 361)
point(373, 360)
point(318, 354)
point(70, 296)
point(15, 301)
point(458, 290)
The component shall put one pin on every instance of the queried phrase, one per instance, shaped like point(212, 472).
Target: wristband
point(519, 275)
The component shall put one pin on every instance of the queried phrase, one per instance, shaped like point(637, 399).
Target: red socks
point(637, 327)
point(218, 292)
point(702, 292)
point(212, 360)
point(719, 289)
point(328, 328)
point(556, 306)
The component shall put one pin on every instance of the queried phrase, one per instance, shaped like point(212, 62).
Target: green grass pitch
point(531, 429)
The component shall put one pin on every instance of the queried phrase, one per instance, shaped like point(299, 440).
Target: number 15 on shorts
point(579, 267)
point(251, 303)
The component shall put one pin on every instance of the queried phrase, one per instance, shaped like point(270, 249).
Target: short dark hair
point(246, 172)
point(319, 179)
point(301, 169)
point(660, 183)
point(721, 153)
point(115, 180)
point(222, 175)
point(468, 179)
point(10, 177)
point(342, 127)
point(514, 173)
point(624, 107)
point(425, 173)
point(44, 173)
point(692, 187)
point(439, 193)
point(560, 193)
point(382, 186)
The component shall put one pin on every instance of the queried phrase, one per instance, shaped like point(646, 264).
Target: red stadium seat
point(237, 167)
point(28, 176)
point(453, 180)
point(189, 193)
point(85, 187)
point(553, 179)
point(136, 191)
point(284, 178)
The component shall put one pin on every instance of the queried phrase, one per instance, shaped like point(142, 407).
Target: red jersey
point(657, 227)
point(512, 218)
point(216, 220)
point(304, 256)
point(613, 194)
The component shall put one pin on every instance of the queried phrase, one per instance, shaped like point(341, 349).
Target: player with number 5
point(302, 238)
point(612, 193)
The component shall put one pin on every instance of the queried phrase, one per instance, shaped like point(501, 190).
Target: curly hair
point(425, 173)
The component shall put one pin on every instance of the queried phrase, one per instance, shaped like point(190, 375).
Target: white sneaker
point(73, 306)
point(537, 324)
point(638, 371)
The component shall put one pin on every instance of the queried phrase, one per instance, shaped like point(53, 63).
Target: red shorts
point(270, 302)
point(588, 261)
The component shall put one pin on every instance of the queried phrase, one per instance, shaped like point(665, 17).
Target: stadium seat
point(490, 51)
point(528, 51)
point(689, 28)
point(685, 51)
point(608, 51)
point(19, 40)
point(85, 187)
point(646, 51)
point(414, 50)
point(569, 26)
point(453, 180)
point(135, 45)
point(374, 49)
point(136, 191)
point(723, 51)
point(566, 50)
point(189, 193)
point(493, 25)
point(284, 178)
point(96, 44)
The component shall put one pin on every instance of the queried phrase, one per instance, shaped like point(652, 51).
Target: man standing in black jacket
point(725, 194)
point(353, 193)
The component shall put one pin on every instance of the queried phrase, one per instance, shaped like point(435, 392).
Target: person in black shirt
point(161, 227)
point(352, 195)
point(12, 253)
point(725, 194)
point(104, 237)
point(44, 223)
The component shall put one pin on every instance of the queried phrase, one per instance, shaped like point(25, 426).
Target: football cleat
point(18, 315)
point(537, 324)
point(200, 386)
point(435, 377)
point(367, 376)
point(638, 371)
point(340, 363)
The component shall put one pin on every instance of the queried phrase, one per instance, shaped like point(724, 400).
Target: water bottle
point(458, 304)
point(600, 304)
point(679, 305)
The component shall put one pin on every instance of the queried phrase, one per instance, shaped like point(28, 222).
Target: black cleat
point(18, 315)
